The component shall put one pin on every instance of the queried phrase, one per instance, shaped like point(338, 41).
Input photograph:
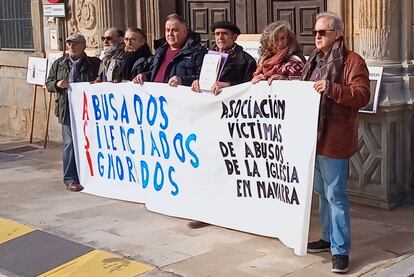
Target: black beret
point(226, 25)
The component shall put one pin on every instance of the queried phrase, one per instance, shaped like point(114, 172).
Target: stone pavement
point(32, 193)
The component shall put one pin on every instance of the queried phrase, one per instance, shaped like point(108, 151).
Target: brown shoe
point(194, 224)
point(74, 187)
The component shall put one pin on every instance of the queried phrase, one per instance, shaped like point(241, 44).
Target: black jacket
point(136, 62)
point(60, 71)
point(186, 64)
point(239, 67)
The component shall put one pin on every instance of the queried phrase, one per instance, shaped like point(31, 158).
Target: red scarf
point(272, 65)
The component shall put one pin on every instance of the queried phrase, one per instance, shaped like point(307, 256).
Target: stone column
point(381, 172)
point(155, 13)
point(106, 14)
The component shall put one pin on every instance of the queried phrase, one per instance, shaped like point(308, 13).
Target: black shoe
point(340, 263)
point(194, 224)
point(319, 246)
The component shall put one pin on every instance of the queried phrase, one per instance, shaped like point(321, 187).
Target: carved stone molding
point(83, 19)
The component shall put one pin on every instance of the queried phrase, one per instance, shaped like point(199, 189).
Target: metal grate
point(16, 25)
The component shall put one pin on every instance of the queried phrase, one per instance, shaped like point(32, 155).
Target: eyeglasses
point(106, 38)
point(321, 32)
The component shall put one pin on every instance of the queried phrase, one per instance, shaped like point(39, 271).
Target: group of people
point(339, 75)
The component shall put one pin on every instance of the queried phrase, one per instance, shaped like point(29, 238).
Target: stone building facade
point(381, 173)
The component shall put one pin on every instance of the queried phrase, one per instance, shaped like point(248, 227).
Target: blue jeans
point(70, 173)
point(330, 182)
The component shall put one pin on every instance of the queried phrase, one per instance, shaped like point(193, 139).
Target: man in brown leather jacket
point(341, 77)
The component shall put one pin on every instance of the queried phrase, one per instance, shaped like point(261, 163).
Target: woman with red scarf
point(280, 55)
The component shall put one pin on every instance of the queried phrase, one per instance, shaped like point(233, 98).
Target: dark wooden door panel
point(201, 14)
point(253, 15)
point(301, 16)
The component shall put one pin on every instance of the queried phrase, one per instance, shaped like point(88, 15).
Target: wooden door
point(201, 14)
point(252, 15)
point(301, 15)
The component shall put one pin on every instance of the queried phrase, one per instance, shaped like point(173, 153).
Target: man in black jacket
point(178, 61)
point(239, 66)
point(75, 66)
point(137, 54)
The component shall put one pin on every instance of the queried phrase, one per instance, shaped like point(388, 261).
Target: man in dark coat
point(178, 61)
point(239, 66)
point(75, 66)
point(137, 54)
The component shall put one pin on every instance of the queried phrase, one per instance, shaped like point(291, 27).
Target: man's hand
point(195, 86)
point(62, 84)
point(258, 78)
point(175, 81)
point(320, 86)
point(139, 79)
point(216, 89)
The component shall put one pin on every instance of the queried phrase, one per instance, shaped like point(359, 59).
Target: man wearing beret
point(75, 66)
point(239, 66)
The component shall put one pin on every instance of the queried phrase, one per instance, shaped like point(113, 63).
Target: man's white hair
point(337, 22)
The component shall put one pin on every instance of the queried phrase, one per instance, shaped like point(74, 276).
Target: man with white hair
point(110, 70)
point(341, 77)
point(75, 66)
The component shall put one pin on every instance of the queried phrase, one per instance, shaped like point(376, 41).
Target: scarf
point(230, 52)
point(74, 69)
point(330, 68)
point(272, 65)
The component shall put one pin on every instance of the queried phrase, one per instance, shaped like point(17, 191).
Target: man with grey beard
point(110, 70)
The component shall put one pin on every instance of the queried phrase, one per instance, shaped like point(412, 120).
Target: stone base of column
point(381, 171)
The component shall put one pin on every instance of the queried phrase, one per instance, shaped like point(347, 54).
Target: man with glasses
point(110, 70)
point(341, 77)
point(177, 61)
point(75, 66)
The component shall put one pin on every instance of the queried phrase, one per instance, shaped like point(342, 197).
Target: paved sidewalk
point(32, 193)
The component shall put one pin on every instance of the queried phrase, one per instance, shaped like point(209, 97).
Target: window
point(16, 25)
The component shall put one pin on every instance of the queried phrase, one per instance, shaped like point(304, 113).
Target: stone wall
point(16, 100)
point(16, 95)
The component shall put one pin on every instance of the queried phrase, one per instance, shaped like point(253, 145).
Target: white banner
point(243, 159)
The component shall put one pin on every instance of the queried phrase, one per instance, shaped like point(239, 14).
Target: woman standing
point(280, 55)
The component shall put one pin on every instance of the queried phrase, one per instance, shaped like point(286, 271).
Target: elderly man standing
point(341, 77)
point(137, 54)
point(75, 66)
point(110, 70)
point(239, 66)
point(178, 61)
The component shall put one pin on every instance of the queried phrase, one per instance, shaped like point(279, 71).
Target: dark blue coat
point(186, 64)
